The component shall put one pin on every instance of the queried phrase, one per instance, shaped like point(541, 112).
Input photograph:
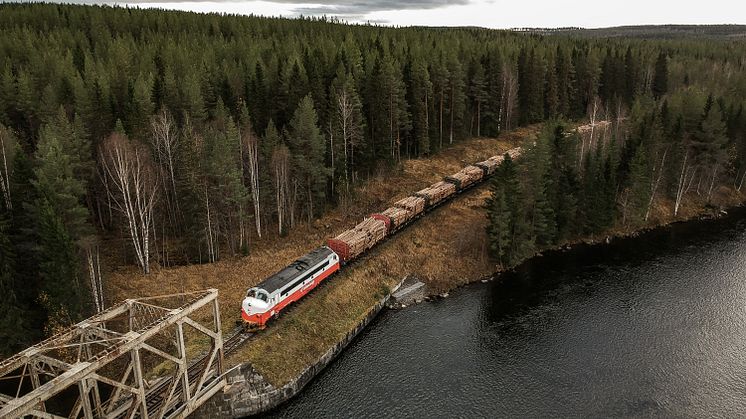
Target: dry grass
point(438, 249)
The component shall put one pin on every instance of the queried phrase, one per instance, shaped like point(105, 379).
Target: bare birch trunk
point(94, 274)
point(251, 144)
point(686, 179)
point(5, 173)
point(655, 183)
point(712, 183)
point(135, 190)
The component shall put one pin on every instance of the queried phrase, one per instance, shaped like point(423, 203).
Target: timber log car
point(269, 298)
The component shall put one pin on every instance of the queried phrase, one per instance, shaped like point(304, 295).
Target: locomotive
point(266, 300)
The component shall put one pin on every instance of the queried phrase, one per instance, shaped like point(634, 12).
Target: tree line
point(572, 184)
point(174, 137)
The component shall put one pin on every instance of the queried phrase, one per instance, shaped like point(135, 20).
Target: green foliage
point(61, 294)
point(660, 78)
point(71, 75)
point(14, 327)
point(307, 148)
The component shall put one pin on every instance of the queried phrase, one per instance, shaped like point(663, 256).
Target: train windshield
point(253, 293)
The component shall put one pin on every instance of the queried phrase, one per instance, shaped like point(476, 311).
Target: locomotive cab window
point(262, 296)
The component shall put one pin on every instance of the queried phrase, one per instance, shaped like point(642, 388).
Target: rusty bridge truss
point(155, 357)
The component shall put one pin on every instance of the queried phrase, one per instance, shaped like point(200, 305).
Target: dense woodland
point(683, 146)
point(181, 137)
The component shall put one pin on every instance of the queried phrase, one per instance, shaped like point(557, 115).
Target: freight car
point(275, 293)
point(466, 177)
point(353, 242)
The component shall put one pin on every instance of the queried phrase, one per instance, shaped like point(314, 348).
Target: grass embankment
point(446, 248)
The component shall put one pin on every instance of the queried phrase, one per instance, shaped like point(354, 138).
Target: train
point(267, 299)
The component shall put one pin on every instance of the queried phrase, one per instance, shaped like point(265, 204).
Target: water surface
point(653, 326)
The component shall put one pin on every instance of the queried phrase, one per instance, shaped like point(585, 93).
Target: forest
point(167, 138)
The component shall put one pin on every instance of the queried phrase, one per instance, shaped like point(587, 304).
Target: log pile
point(394, 217)
point(488, 166)
point(413, 204)
point(466, 176)
point(437, 192)
point(357, 240)
point(515, 152)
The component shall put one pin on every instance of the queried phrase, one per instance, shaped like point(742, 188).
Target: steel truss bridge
point(155, 357)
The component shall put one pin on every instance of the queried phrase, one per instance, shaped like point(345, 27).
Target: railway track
point(158, 394)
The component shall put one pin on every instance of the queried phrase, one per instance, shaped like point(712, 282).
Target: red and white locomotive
point(267, 299)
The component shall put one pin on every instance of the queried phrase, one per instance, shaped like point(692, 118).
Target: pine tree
point(498, 227)
point(478, 94)
point(61, 294)
point(57, 183)
point(660, 78)
point(711, 143)
point(140, 107)
point(639, 184)
point(14, 328)
point(307, 148)
point(420, 97)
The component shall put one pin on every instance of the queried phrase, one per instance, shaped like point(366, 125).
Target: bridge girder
point(96, 368)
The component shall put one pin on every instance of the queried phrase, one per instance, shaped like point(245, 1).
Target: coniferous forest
point(143, 128)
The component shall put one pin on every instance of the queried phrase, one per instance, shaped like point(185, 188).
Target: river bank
point(253, 392)
point(649, 326)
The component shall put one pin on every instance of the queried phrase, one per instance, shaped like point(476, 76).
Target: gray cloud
point(341, 8)
point(363, 7)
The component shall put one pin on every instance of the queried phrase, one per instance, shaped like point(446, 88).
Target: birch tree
point(7, 149)
point(250, 145)
point(508, 99)
point(281, 177)
point(133, 190)
point(164, 140)
point(348, 123)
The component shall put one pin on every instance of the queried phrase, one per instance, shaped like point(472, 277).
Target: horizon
point(488, 14)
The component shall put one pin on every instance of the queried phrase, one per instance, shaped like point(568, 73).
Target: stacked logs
point(351, 243)
point(437, 192)
point(466, 177)
point(413, 204)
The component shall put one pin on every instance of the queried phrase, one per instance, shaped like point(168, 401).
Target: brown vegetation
point(233, 276)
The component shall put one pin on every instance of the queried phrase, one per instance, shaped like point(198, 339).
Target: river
point(650, 326)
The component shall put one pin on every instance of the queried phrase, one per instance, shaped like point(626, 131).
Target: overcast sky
point(485, 13)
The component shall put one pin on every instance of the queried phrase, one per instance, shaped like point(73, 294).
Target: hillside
point(725, 32)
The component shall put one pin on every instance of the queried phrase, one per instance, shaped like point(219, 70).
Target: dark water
point(654, 326)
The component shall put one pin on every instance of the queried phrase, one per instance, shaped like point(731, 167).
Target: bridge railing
point(148, 357)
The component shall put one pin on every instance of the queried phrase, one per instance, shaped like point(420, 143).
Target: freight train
point(266, 300)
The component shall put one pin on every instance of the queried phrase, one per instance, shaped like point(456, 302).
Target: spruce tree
point(14, 328)
point(62, 295)
point(307, 147)
point(660, 77)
